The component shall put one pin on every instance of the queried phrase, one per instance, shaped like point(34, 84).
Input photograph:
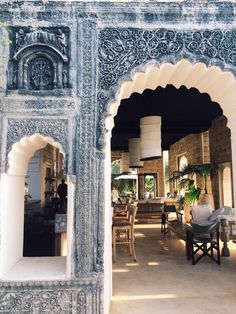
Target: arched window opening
point(45, 199)
point(225, 182)
point(37, 220)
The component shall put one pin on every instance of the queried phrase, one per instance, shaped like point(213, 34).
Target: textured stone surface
point(106, 43)
point(220, 147)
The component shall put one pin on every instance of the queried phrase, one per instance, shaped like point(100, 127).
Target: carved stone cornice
point(54, 128)
point(121, 50)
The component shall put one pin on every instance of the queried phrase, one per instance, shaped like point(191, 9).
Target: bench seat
point(177, 227)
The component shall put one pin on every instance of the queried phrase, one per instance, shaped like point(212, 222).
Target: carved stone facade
point(63, 71)
point(39, 59)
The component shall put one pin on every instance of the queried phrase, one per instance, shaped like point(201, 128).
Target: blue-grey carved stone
point(56, 129)
point(36, 302)
point(85, 153)
point(39, 59)
point(90, 48)
point(122, 50)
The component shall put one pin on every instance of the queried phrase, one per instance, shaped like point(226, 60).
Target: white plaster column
point(232, 126)
point(71, 181)
point(11, 221)
point(107, 224)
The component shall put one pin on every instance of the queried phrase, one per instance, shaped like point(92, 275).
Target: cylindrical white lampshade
point(124, 163)
point(135, 153)
point(150, 137)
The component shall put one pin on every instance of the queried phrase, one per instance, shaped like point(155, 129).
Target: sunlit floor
point(164, 281)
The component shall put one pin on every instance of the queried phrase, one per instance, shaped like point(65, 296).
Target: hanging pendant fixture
point(124, 163)
point(150, 137)
point(135, 153)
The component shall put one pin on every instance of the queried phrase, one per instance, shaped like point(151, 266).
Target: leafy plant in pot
point(193, 193)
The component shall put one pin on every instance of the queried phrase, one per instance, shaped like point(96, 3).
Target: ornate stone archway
point(109, 47)
point(194, 59)
point(132, 60)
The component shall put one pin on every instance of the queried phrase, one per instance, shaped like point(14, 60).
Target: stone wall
point(220, 141)
point(150, 166)
point(155, 166)
point(191, 147)
point(220, 150)
point(89, 48)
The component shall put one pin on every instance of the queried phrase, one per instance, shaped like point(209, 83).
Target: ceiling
point(183, 111)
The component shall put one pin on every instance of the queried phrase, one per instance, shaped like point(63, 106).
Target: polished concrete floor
point(164, 281)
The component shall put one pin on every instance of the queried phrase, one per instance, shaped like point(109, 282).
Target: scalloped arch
point(23, 150)
point(219, 85)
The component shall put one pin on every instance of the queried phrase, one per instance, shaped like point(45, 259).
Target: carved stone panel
point(56, 129)
point(39, 59)
point(40, 74)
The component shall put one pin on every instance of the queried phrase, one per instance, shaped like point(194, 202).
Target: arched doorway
point(12, 216)
point(219, 85)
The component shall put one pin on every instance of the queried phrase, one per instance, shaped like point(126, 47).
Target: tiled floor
point(163, 281)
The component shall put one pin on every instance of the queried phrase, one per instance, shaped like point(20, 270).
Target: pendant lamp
point(124, 163)
point(135, 153)
point(150, 137)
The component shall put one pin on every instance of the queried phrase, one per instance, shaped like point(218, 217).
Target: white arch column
point(12, 221)
point(107, 220)
point(12, 206)
point(232, 126)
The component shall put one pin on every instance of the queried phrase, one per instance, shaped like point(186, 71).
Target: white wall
point(11, 221)
point(70, 209)
point(107, 229)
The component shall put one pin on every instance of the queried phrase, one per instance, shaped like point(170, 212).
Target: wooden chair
point(120, 211)
point(203, 241)
point(123, 232)
point(166, 221)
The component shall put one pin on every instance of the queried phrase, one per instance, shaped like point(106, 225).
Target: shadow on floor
point(164, 281)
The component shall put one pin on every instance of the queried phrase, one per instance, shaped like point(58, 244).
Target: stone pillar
point(232, 126)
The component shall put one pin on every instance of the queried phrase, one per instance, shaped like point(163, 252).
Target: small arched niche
point(39, 60)
point(13, 265)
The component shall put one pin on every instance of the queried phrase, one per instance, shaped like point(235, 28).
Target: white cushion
point(201, 212)
point(202, 222)
point(226, 210)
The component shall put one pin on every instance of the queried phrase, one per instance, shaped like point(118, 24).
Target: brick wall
point(155, 166)
point(220, 141)
point(191, 146)
point(220, 150)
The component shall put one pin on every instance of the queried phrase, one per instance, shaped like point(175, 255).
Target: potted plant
point(193, 193)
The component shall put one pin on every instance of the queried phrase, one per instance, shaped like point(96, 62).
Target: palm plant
point(193, 192)
point(149, 184)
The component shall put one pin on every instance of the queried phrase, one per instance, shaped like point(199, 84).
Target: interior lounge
point(172, 168)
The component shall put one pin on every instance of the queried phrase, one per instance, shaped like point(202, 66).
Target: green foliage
point(185, 180)
point(193, 194)
point(181, 202)
point(149, 184)
point(115, 167)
